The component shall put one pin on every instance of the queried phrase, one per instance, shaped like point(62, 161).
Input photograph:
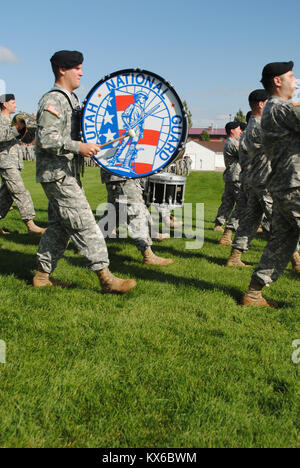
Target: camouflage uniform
point(232, 193)
point(134, 208)
point(70, 215)
point(11, 163)
point(281, 140)
point(255, 176)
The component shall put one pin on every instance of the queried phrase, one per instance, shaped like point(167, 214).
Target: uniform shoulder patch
point(53, 110)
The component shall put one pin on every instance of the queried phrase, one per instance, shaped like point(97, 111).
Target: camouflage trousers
point(126, 199)
point(259, 203)
point(233, 198)
point(14, 190)
point(284, 238)
point(70, 217)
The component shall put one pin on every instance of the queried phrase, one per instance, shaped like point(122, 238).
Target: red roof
point(216, 146)
point(212, 132)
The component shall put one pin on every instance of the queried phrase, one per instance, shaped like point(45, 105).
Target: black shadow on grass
point(21, 266)
point(161, 275)
point(17, 263)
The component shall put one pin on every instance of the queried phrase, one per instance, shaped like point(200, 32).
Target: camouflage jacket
point(244, 159)
point(56, 143)
point(11, 151)
point(231, 158)
point(259, 163)
point(281, 140)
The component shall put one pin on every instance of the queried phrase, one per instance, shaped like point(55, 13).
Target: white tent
point(202, 158)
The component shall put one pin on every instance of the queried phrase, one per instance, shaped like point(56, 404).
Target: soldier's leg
point(249, 223)
point(285, 232)
point(18, 192)
point(227, 204)
point(284, 238)
point(6, 200)
point(22, 198)
point(240, 207)
point(55, 240)
point(129, 200)
point(246, 231)
point(73, 218)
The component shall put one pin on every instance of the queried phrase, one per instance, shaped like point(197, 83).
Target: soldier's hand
point(88, 149)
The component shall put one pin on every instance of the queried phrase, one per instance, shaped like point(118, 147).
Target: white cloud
point(7, 55)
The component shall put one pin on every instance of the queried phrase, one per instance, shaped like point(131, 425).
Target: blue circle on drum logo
point(138, 120)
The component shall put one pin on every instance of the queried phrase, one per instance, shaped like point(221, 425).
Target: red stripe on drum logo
point(142, 168)
point(151, 137)
point(123, 102)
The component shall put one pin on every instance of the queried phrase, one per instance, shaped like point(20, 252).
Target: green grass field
point(175, 363)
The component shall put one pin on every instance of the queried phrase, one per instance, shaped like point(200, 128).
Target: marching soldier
point(259, 200)
point(70, 216)
point(11, 164)
point(280, 125)
point(231, 178)
point(127, 195)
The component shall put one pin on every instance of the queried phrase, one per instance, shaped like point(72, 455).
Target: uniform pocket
point(77, 219)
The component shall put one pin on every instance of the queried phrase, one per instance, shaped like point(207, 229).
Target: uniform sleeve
point(293, 120)
point(8, 133)
point(51, 123)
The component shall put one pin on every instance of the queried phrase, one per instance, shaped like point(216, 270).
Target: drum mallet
point(131, 133)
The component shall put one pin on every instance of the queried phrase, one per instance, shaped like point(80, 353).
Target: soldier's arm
point(231, 153)
point(50, 126)
point(289, 115)
point(8, 133)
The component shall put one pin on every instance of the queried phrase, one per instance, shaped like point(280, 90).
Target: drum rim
point(183, 140)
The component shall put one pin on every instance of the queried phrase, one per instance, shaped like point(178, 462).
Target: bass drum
point(138, 101)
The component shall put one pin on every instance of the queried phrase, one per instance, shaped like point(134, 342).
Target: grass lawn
point(175, 363)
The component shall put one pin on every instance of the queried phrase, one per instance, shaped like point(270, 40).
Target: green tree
point(189, 114)
point(205, 136)
point(240, 116)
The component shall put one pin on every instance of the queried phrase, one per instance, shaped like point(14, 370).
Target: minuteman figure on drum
point(133, 118)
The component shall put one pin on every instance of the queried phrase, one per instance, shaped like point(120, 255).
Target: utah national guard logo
point(143, 113)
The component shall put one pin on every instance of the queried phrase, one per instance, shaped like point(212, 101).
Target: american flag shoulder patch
point(53, 110)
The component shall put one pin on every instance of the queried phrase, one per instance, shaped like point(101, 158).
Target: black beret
point(67, 59)
point(231, 126)
point(243, 125)
point(258, 95)
point(6, 98)
point(276, 69)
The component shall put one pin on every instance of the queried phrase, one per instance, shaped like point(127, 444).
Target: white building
point(203, 159)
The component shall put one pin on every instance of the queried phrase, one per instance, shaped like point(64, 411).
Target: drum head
point(141, 101)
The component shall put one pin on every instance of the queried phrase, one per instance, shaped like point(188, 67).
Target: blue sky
point(212, 52)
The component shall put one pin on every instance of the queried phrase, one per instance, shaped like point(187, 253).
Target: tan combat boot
point(159, 237)
point(235, 259)
point(4, 232)
point(110, 284)
point(151, 259)
point(253, 296)
point(226, 238)
point(218, 228)
point(33, 228)
point(296, 262)
point(172, 222)
point(42, 279)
